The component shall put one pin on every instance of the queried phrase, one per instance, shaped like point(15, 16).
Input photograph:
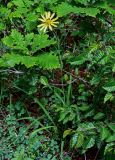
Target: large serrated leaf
point(64, 8)
point(41, 41)
point(46, 61)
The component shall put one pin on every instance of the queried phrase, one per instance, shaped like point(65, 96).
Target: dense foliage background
point(57, 97)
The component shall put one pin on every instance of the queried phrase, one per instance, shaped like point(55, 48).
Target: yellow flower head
point(48, 21)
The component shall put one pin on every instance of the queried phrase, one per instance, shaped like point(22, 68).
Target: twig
point(12, 71)
point(85, 156)
point(61, 84)
point(58, 84)
point(96, 154)
point(79, 78)
point(76, 79)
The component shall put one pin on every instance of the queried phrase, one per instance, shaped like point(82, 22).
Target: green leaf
point(64, 8)
point(46, 61)
point(95, 80)
point(85, 126)
point(80, 140)
point(112, 126)
point(106, 6)
point(28, 61)
point(67, 132)
point(111, 138)
point(109, 147)
point(82, 1)
point(99, 116)
point(93, 48)
point(41, 41)
point(32, 17)
point(8, 41)
point(104, 132)
point(15, 41)
point(19, 3)
point(90, 142)
point(63, 116)
point(10, 60)
point(74, 139)
point(110, 86)
point(90, 113)
point(44, 80)
point(84, 107)
point(2, 26)
point(78, 60)
point(113, 69)
point(40, 129)
point(19, 42)
point(108, 97)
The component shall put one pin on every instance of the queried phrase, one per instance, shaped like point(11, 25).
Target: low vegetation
point(57, 77)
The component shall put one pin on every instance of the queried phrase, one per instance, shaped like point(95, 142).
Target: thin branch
point(58, 84)
point(12, 71)
point(85, 156)
point(63, 85)
point(96, 154)
point(79, 78)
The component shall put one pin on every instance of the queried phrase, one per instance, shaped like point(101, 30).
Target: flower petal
point(54, 19)
point(45, 29)
point(41, 19)
point(50, 27)
point(54, 25)
point(56, 22)
point(40, 25)
point(48, 15)
point(52, 15)
point(48, 21)
point(42, 28)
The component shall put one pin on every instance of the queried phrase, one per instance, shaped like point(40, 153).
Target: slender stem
point(85, 156)
point(96, 154)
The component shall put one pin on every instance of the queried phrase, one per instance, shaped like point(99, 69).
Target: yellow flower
point(48, 21)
